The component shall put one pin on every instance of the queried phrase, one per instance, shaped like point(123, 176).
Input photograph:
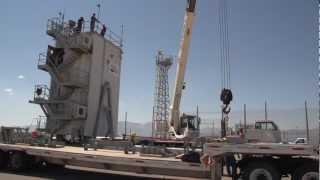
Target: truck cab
point(299, 141)
point(264, 131)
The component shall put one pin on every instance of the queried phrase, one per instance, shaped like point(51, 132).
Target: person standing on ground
point(93, 22)
point(230, 163)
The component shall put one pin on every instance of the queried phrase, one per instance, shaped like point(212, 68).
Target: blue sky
point(273, 52)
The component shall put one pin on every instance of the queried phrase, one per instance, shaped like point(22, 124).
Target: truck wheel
point(260, 171)
point(18, 161)
point(306, 172)
point(3, 159)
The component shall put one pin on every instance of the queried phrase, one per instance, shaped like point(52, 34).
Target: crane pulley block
point(191, 5)
point(226, 109)
point(226, 96)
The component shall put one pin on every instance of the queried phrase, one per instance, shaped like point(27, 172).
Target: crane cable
point(319, 69)
point(224, 43)
point(226, 93)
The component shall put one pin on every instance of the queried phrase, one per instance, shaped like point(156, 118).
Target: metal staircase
point(57, 109)
point(56, 64)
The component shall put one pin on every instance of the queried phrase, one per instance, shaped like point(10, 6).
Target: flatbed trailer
point(261, 159)
point(268, 161)
point(19, 157)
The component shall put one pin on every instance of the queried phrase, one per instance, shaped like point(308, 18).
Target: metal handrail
point(56, 26)
point(82, 76)
point(41, 92)
point(42, 59)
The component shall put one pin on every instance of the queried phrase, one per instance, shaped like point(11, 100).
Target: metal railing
point(56, 26)
point(42, 59)
point(76, 76)
point(41, 123)
point(41, 92)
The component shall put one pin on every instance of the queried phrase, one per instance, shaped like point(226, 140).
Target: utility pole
point(197, 122)
point(213, 128)
point(245, 117)
point(307, 122)
point(125, 124)
point(319, 75)
point(197, 112)
point(265, 111)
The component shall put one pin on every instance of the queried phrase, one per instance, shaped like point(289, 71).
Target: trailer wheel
point(3, 160)
point(18, 161)
point(306, 172)
point(260, 171)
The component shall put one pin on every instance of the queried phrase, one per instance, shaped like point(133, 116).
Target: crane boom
point(182, 62)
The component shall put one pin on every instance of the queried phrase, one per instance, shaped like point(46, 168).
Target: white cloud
point(21, 76)
point(9, 91)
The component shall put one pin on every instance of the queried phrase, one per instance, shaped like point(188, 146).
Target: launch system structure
point(83, 96)
point(161, 97)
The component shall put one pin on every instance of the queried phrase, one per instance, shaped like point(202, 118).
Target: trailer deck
point(115, 160)
point(218, 149)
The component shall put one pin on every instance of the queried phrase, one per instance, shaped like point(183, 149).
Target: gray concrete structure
point(84, 67)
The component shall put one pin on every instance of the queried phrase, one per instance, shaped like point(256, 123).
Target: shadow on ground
point(63, 174)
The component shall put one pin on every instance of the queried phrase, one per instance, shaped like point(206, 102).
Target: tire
point(3, 160)
point(260, 170)
point(307, 172)
point(18, 161)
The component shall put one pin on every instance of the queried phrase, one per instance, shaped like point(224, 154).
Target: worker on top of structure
point(72, 25)
point(79, 24)
point(103, 30)
point(93, 22)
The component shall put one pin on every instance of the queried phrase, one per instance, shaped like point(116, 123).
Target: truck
point(267, 161)
point(263, 131)
point(299, 140)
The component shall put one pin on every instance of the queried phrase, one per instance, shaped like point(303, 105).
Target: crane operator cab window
point(269, 126)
